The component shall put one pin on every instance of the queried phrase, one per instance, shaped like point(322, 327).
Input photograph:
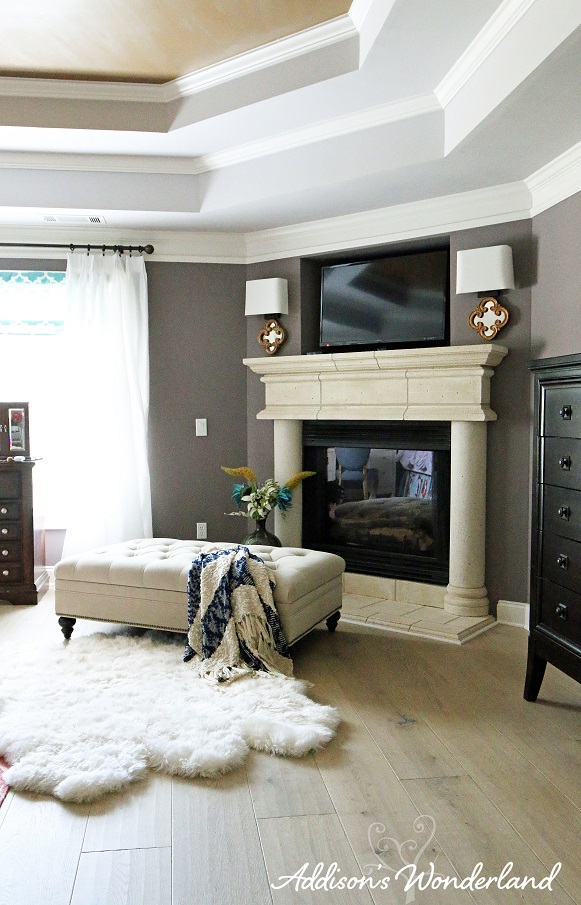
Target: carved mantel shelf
point(443, 384)
point(449, 383)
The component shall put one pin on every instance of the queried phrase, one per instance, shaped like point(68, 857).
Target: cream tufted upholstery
point(143, 582)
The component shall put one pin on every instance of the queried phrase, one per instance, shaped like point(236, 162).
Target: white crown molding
point(321, 131)
point(369, 17)
point(432, 216)
point(170, 245)
point(359, 11)
point(548, 186)
point(76, 90)
point(556, 181)
point(100, 163)
point(502, 21)
point(311, 39)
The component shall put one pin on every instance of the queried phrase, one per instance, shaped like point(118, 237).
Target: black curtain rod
point(147, 249)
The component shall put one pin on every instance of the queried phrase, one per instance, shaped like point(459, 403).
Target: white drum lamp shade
point(484, 269)
point(267, 296)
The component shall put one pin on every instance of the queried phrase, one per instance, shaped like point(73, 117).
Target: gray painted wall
point(508, 452)
point(556, 295)
point(260, 433)
point(197, 337)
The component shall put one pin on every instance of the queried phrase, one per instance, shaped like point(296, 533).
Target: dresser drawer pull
point(564, 512)
point(563, 561)
point(561, 611)
point(4, 530)
point(566, 412)
point(565, 463)
point(5, 572)
point(4, 552)
point(4, 510)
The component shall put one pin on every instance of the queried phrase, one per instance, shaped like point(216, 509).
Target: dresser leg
point(535, 672)
point(67, 624)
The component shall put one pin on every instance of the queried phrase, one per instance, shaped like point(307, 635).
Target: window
point(32, 315)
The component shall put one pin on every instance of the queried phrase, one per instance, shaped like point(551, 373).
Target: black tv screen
point(401, 300)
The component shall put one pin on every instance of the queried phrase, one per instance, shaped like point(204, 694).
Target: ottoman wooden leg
point(67, 624)
point(333, 620)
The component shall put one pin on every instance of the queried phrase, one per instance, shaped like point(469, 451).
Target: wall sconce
point(486, 270)
point(268, 297)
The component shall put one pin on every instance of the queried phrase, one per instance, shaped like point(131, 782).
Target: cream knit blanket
point(233, 625)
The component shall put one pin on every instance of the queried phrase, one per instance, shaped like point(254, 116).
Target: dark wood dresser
point(555, 628)
point(23, 576)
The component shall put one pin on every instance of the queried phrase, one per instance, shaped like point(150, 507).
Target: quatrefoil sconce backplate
point(268, 297)
point(271, 336)
point(488, 318)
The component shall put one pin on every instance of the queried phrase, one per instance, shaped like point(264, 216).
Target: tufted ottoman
point(144, 582)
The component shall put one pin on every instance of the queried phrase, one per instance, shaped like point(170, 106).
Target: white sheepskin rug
point(81, 719)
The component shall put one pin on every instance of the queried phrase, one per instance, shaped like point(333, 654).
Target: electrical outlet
point(202, 530)
point(201, 427)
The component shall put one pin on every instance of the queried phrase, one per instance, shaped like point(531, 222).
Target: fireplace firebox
point(380, 497)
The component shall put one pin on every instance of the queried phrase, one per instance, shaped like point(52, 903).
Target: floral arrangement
point(261, 499)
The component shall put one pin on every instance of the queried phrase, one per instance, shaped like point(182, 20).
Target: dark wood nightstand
point(555, 629)
point(23, 577)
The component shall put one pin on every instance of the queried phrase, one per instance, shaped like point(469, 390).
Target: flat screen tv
point(400, 300)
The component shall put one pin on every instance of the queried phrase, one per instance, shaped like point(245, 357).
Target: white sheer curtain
point(104, 427)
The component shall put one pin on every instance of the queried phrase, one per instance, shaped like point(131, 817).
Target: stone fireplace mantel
point(450, 383)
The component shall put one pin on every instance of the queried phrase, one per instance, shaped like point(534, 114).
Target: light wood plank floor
point(438, 759)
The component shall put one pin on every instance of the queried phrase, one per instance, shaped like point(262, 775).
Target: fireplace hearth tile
point(361, 603)
point(433, 616)
point(403, 620)
point(416, 621)
point(393, 609)
point(420, 594)
point(369, 585)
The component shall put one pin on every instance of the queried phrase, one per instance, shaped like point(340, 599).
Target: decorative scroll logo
point(397, 856)
point(402, 860)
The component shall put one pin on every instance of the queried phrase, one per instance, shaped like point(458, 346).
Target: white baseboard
point(50, 571)
point(510, 612)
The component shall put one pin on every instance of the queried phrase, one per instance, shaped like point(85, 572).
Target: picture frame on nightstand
point(14, 431)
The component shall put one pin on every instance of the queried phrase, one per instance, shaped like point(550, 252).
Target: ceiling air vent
point(74, 219)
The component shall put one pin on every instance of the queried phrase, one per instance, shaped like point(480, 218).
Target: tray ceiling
point(234, 120)
point(147, 41)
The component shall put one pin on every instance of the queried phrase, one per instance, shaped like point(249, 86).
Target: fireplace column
point(466, 594)
point(288, 460)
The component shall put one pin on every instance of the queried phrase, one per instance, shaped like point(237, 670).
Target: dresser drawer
point(10, 551)
point(561, 462)
point(561, 561)
point(561, 410)
point(10, 573)
point(561, 512)
point(560, 610)
point(9, 510)
point(10, 484)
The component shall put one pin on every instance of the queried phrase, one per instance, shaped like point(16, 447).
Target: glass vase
point(261, 536)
